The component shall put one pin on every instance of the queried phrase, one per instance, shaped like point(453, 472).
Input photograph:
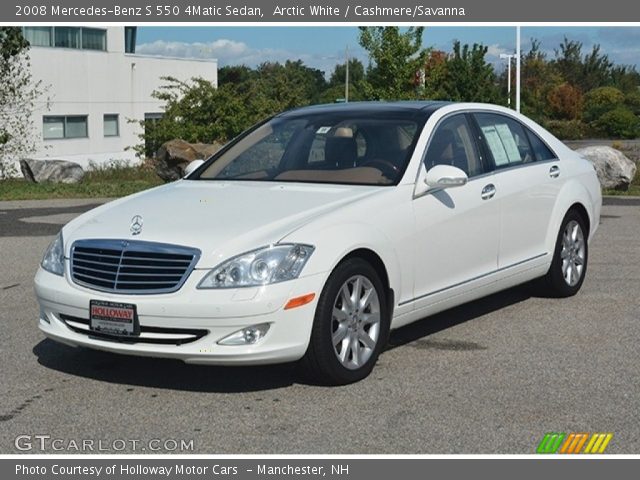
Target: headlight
point(53, 260)
point(273, 264)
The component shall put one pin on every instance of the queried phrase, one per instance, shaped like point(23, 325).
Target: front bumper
point(214, 313)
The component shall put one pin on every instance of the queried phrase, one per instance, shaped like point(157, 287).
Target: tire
point(569, 265)
point(360, 333)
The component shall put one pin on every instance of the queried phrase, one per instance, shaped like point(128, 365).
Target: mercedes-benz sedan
point(314, 233)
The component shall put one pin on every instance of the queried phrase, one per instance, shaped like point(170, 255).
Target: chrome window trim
point(138, 246)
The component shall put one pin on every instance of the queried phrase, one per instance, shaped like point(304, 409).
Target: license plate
point(113, 318)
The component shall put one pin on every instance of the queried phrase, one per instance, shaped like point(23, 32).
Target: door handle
point(488, 191)
point(554, 172)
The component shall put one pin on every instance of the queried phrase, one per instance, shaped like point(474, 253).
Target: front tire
point(571, 254)
point(351, 325)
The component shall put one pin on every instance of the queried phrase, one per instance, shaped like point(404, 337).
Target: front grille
point(131, 266)
point(155, 335)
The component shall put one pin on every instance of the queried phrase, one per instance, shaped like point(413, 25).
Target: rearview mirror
point(192, 167)
point(445, 176)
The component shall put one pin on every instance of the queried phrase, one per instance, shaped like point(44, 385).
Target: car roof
point(419, 107)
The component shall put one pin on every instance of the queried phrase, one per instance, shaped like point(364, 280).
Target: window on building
point(67, 37)
point(130, 34)
point(111, 128)
point(39, 36)
point(94, 39)
point(151, 144)
point(67, 126)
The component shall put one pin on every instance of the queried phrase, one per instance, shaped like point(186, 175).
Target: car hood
point(221, 219)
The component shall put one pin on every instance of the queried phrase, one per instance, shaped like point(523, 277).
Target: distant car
point(313, 234)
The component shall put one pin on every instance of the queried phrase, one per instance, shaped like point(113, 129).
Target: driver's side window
point(453, 144)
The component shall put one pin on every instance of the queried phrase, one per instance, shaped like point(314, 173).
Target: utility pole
point(346, 76)
point(508, 57)
point(518, 68)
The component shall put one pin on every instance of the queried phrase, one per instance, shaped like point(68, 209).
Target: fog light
point(246, 336)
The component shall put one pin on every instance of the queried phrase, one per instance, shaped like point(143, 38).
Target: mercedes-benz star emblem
point(136, 225)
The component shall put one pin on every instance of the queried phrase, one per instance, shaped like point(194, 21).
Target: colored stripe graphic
point(550, 442)
point(598, 443)
point(573, 443)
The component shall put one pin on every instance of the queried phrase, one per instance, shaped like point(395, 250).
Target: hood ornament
point(136, 225)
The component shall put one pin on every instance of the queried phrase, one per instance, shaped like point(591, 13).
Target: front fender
point(341, 240)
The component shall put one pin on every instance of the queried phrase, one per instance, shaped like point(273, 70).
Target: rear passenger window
point(506, 139)
point(540, 149)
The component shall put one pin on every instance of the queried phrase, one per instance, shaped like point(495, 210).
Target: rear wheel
point(569, 264)
point(351, 325)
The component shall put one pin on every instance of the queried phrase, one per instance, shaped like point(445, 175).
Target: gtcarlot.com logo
point(47, 443)
point(574, 443)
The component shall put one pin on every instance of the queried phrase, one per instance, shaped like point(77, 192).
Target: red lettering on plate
point(121, 313)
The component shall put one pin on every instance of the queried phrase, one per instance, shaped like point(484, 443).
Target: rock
point(173, 157)
point(56, 171)
point(615, 171)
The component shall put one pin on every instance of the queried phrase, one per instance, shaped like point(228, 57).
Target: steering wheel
point(388, 169)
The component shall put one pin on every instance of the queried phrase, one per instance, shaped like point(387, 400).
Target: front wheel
point(569, 264)
point(351, 325)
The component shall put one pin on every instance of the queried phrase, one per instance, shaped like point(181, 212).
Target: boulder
point(173, 157)
point(56, 171)
point(615, 171)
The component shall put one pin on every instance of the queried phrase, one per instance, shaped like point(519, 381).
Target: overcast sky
point(324, 47)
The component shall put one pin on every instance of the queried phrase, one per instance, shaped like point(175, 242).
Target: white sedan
point(314, 233)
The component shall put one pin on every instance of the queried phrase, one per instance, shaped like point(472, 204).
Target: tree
point(469, 77)
point(336, 85)
point(18, 94)
point(586, 72)
point(565, 102)
point(235, 74)
point(538, 78)
point(619, 123)
point(396, 57)
point(356, 73)
point(625, 78)
point(197, 111)
point(601, 100)
point(435, 75)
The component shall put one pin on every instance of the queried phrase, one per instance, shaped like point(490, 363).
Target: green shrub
point(632, 101)
point(619, 123)
point(568, 129)
point(601, 100)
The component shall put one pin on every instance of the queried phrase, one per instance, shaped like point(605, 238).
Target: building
point(95, 84)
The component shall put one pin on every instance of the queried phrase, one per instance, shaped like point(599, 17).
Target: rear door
point(528, 179)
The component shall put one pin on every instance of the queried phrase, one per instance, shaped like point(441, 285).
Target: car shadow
point(176, 375)
point(160, 372)
point(463, 313)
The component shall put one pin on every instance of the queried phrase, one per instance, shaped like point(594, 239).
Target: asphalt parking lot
point(491, 376)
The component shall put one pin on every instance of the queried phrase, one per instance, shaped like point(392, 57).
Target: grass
point(113, 180)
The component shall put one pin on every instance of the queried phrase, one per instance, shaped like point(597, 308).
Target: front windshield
point(342, 147)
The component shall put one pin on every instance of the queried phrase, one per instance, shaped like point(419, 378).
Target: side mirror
point(445, 176)
point(192, 167)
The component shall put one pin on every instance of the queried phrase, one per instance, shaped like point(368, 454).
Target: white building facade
point(94, 85)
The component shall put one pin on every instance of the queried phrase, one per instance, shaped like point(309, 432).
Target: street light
point(508, 57)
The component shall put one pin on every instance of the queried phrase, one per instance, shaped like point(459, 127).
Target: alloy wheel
point(355, 322)
point(573, 253)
